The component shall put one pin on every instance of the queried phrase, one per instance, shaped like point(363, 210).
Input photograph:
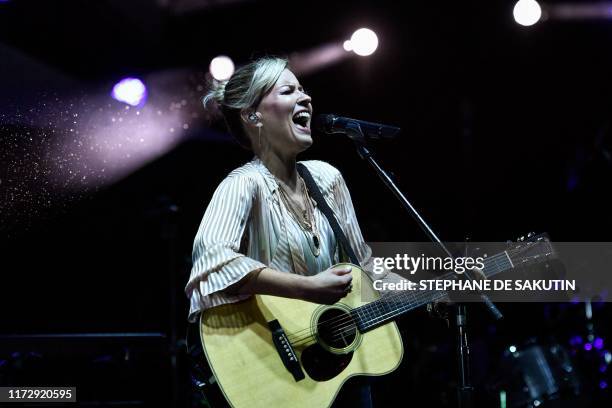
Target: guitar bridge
point(285, 350)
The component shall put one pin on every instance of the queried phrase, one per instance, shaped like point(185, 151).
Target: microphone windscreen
point(322, 123)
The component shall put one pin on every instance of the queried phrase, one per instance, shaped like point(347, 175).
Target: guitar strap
point(316, 194)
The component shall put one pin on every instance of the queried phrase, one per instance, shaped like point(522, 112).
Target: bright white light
point(364, 42)
point(347, 46)
point(221, 68)
point(527, 12)
point(131, 91)
point(512, 349)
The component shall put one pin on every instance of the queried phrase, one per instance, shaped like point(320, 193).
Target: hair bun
point(216, 93)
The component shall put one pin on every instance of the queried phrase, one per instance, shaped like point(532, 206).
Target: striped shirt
point(247, 227)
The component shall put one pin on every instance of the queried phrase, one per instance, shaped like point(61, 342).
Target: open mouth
point(302, 121)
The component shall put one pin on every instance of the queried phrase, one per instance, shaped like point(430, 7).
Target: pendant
point(317, 243)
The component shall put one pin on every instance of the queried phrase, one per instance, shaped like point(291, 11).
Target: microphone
point(353, 128)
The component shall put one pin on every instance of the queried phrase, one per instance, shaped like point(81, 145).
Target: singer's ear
point(244, 115)
point(251, 118)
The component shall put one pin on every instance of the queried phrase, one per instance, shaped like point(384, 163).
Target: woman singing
point(262, 233)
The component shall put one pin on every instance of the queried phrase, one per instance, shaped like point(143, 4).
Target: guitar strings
point(348, 320)
point(350, 324)
point(419, 298)
point(411, 305)
point(340, 331)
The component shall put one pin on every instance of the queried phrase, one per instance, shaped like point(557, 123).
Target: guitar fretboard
point(394, 305)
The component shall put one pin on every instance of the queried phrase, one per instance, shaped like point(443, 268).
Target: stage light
point(306, 62)
point(364, 42)
point(348, 47)
point(527, 12)
point(502, 399)
point(221, 68)
point(131, 91)
point(512, 349)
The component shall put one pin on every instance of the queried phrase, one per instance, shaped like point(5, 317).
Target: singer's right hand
point(329, 286)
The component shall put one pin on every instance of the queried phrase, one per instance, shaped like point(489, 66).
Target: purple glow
point(588, 346)
point(575, 340)
point(603, 384)
point(131, 91)
point(598, 343)
point(602, 368)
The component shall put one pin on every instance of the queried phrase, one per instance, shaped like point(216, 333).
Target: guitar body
point(238, 344)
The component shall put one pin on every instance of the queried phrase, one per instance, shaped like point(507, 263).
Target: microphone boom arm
point(465, 390)
point(366, 155)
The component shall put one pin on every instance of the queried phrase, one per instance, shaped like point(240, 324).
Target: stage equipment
point(131, 91)
point(527, 12)
point(221, 68)
point(363, 42)
point(537, 373)
point(357, 130)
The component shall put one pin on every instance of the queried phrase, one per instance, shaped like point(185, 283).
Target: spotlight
point(348, 47)
point(221, 68)
point(364, 42)
point(131, 91)
point(527, 12)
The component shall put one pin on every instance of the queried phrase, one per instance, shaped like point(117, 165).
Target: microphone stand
point(464, 388)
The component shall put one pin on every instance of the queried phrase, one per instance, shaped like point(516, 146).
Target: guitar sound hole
point(336, 328)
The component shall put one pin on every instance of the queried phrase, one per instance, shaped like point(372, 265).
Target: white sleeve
point(217, 264)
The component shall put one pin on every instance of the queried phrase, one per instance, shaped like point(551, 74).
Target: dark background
point(505, 130)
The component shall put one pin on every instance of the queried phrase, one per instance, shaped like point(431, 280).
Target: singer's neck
point(283, 167)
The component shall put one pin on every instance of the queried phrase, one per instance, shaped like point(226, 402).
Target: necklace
point(304, 217)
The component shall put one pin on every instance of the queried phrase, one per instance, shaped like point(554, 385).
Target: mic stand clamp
point(464, 389)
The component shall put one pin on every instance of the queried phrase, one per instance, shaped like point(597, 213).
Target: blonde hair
point(245, 89)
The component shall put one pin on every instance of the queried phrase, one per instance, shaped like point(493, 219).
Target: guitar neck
point(390, 307)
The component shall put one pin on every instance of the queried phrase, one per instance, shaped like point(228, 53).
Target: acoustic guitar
point(270, 351)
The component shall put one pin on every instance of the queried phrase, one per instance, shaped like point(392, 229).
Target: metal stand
point(465, 390)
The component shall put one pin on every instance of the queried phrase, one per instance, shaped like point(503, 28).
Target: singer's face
point(286, 115)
